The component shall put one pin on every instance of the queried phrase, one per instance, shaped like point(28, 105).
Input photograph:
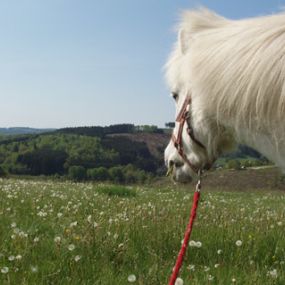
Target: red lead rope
point(186, 236)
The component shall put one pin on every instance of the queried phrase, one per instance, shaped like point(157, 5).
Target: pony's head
point(196, 137)
point(227, 78)
point(188, 151)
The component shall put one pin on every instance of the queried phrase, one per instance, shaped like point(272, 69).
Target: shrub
point(234, 164)
point(116, 174)
point(98, 174)
point(2, 172)
point(77, 173)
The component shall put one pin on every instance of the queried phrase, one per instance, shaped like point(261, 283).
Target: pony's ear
point(184, 41)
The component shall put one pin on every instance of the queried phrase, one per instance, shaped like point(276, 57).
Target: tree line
point(99, 131)
point(79, 157)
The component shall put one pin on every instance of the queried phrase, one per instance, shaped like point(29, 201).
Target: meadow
point(86, 233)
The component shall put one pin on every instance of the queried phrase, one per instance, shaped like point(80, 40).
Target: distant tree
point(119, 128)
point(2, 172)
point(170, 125)
point(147, 128)
point(77, 173)
point(98, 174)
point(116, 174)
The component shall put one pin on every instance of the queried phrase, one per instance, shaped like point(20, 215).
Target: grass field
point(67, 233)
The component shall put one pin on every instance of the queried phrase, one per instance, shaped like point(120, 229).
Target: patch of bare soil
point(242, 180)
point(235, 180)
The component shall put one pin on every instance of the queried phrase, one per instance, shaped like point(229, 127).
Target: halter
point(183, 117)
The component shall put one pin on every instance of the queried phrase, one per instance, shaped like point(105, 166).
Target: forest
point(81, 153)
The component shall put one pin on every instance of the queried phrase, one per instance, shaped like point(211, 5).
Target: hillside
point(23, 131)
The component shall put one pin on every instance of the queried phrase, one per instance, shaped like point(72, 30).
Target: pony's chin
point(182, 177)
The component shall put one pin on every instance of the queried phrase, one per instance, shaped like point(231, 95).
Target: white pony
point(232, 75)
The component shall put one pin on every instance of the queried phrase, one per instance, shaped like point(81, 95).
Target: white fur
point(235, 74)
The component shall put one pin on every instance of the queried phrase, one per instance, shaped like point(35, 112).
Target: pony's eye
point(175, 96)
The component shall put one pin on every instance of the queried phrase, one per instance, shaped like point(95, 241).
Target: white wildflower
point(57, 239)
point(206, 268)
point(191, 267)
point(272, 273)
point(238, 243)
point(216, 265)
point(132, 278)
point(42, 214)
point(179, 281)
point(198, 244)
point(36, 239)
point(73, 224)
point(71, 247)
point(34, 269)
point(4, 270)
point(210, 277)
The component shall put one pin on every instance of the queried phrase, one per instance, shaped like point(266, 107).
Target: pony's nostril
point(178, 164)
point(175, 163)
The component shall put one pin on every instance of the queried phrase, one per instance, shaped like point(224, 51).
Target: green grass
point(117, 190)
point(68, 233)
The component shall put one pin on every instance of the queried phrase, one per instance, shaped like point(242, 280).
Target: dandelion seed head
point(191, 267)
point(132, 278)
point(216, 265)
point(198, 244)
point(71, 247)
point(272, 273)
point(211, 277)
point(179, 281)
point(36, 239)
point(238, 243)
point(206, 268)
point(57, 239)
point(34, 269)
point(4, 270)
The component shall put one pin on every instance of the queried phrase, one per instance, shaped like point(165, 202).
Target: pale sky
point(70, 63)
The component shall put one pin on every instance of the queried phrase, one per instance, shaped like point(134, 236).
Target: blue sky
point(89, 62)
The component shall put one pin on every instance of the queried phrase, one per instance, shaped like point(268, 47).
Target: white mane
point(235, 72)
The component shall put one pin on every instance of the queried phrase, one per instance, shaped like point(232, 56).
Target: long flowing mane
point(236, 67)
